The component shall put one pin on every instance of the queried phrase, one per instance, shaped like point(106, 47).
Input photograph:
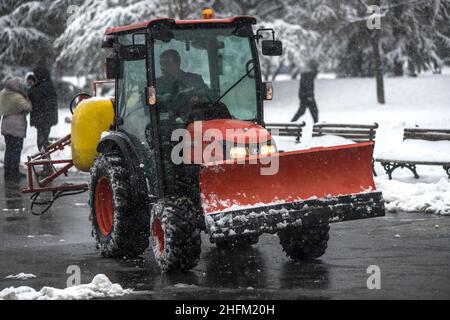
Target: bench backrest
point(355, 132)
point(286, 129)
point(426, 134)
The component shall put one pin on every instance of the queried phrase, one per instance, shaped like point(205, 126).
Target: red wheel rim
point(158, 235)
point(104, 206)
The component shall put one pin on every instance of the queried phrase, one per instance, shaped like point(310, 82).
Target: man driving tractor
point(179, 89)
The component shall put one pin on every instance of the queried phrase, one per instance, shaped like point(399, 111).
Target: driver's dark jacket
point(186, 81)
point(176, 94)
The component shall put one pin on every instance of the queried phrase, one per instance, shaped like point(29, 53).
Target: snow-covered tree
point(20, 38)
point(80, 44)
point(299, 45)
point(27, 32)
point(414, 34)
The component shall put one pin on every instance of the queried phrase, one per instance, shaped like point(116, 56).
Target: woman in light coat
point(14, 106)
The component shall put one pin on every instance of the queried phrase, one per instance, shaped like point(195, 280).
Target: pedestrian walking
point(14, 106)
point(306, 92)
point(43, 99)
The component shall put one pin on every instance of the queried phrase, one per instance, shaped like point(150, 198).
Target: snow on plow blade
point(310, 186)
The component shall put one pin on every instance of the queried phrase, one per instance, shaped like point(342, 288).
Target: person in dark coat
point(306, 92)
point(43, 99)
point(14, 106)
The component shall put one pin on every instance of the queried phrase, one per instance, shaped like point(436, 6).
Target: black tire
point(126, 235)
point(304, 243)
point(176, 241)
point(242, 241)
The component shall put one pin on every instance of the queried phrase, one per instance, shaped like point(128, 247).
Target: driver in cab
point(179, 90)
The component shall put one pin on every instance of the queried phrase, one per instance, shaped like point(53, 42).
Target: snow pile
point(409, 197)
point(100, 287)
point(21, 276)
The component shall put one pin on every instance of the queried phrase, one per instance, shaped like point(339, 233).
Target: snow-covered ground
point(423, 101)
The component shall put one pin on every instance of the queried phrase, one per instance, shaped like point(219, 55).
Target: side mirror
point(268, 92)
point(112, 68)
point(272, 48)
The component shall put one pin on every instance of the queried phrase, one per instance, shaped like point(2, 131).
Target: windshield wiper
point(235, 84)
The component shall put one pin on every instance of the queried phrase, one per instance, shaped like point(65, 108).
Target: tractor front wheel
point(306, 242)
point(119, 219)
point(175, 233)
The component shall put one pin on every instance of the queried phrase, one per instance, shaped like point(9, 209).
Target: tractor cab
point(179, 74)
point(194, 70)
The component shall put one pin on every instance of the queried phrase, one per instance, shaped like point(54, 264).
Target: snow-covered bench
point(420, 147)
point(287, 129)
point(354, 132)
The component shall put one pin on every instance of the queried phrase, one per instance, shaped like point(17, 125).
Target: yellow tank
point(91, 117)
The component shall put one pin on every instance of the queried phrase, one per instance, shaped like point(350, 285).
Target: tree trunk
point(378, 66)
point(374, 35)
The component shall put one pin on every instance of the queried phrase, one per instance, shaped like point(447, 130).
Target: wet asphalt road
point(412, 251)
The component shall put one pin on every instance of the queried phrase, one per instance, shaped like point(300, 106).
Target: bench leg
point(447, 169)
point(389, 167)
point(412, 167)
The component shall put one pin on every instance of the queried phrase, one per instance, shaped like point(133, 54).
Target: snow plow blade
point(310, 186)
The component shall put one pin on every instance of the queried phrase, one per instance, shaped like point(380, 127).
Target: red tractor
point(182, 148)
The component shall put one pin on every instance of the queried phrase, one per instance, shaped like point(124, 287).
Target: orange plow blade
point(297, 176)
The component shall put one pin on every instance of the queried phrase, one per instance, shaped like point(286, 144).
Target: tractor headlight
point(267, 149)
point(238, 152)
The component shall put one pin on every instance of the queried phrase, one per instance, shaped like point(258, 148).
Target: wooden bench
point(286, 129)
point(355, 132)
point(390, 165)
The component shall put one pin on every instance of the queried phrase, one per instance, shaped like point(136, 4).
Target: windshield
point(202, 65)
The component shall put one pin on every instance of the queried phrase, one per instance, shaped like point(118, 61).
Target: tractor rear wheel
point(175, 232)
point(304, 243)
point(119, 218)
